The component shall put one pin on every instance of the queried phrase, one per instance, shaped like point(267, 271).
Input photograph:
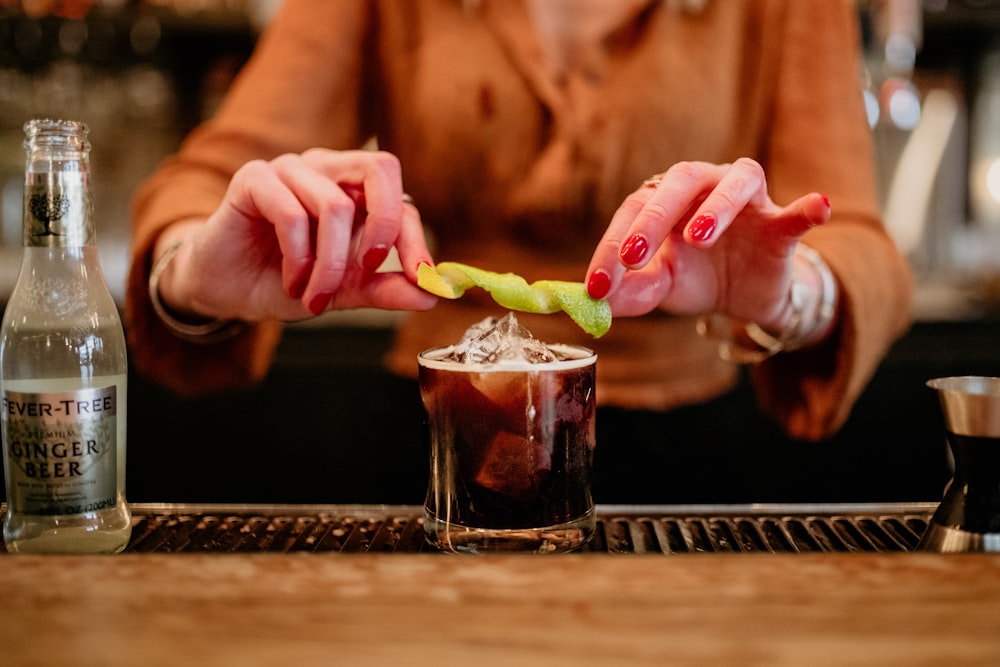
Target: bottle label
point(57, 206)
point(61, 450)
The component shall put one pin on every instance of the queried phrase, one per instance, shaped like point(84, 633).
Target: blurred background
point(142, 73)
point(139, 73)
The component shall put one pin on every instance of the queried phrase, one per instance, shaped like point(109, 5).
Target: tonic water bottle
point(63, 364)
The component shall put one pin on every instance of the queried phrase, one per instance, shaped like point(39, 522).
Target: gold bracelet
point(211, 331)
point(752, 344)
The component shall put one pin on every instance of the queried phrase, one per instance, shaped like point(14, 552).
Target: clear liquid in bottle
point(63, 365)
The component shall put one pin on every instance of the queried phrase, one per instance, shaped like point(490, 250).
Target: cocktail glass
point(512, 447)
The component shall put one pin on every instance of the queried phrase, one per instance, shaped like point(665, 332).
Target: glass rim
point(56, 133)
point(587, 357)
point(971, 385)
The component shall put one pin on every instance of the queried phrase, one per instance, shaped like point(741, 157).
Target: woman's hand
point(703, 238)
point(298, 235)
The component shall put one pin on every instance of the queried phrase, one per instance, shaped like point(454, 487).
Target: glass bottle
point(63, 364)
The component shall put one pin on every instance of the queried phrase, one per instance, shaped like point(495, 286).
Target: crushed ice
point(492, 340)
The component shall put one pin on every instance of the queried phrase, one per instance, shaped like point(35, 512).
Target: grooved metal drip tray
point(620, 529)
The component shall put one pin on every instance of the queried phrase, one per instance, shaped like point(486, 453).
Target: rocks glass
point(512, 444)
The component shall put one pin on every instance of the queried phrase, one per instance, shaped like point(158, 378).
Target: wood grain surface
point(416, 609)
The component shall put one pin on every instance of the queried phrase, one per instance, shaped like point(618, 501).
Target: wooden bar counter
point(581, 609)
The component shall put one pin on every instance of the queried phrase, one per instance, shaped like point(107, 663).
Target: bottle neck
point(58, 211)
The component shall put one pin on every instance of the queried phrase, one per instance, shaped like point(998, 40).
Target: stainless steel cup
point(968, 518)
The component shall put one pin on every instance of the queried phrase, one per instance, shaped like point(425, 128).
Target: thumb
point(806, 212)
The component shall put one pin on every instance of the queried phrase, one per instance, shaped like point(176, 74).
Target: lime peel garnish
point(450, 280)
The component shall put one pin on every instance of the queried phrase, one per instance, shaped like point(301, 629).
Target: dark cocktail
point(512, 441)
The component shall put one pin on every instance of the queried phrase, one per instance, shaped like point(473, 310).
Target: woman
point(530, 133)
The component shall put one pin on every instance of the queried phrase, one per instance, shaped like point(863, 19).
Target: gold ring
point(653, 181)
point(407, 199)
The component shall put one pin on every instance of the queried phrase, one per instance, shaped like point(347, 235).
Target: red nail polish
point(599, 284)
point(634, 249)
point(702, 227)
point(319, 303)
point(826, 200)
point(374, 257)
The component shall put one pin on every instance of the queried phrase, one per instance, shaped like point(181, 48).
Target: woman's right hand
point(299, 235)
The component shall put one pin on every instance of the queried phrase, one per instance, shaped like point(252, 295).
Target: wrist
point(820, 309)
point(808, 317)
point(187, 326)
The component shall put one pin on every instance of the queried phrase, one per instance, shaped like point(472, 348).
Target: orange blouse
point(517, 168)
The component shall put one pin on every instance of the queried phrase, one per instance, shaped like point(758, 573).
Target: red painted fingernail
point(702, 227)
point(374, 257)
point(319, 303)
point(826, 200)
point(599, 284)
point(634, 249)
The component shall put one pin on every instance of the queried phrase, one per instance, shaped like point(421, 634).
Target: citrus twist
point(450, 280)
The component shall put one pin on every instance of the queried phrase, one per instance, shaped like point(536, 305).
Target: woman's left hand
point(703, 238)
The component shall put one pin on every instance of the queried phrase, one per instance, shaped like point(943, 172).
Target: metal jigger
point(968, 518)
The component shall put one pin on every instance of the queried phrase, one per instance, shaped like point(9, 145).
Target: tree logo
point(48, 208)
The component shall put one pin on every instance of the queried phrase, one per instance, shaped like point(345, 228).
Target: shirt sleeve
point(301, 88)
point(819, 141)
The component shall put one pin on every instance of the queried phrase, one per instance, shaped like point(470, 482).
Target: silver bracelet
point(766, 345)
point(211, 331)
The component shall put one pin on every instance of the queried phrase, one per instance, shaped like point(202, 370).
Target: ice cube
point(493, 340)
point(509, 466)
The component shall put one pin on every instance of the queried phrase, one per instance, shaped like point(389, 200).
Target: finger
point(389, 291)
point(644, 220)
point(258, 192)
point(742, 183)
point(380, 178)
point(606, 270)
point(383, 192)
point(800, 216)
point(640, 291)
point(334, 242)
point(321, 253)
point(807, 212)
point(412, 243)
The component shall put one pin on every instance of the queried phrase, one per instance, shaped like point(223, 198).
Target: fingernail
point(319, 303)
point(826, 200)
point(702, 227)
point(634, 249)
point(374, 257)
point(599, 284)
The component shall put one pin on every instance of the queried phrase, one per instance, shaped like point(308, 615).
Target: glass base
point(947, 539)
point(101, 533)
point(461, 539)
